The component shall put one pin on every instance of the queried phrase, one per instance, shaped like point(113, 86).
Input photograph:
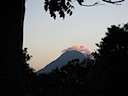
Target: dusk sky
point(46, 38)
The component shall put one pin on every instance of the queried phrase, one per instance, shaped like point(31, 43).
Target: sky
point(46, 38)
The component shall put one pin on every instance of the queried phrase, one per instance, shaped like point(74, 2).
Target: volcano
point(63, 60)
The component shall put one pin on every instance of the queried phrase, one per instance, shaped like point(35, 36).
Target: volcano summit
point(63, 60)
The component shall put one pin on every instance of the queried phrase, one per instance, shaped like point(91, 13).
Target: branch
point(113, 2)
point(97, 3)
point(108, 1)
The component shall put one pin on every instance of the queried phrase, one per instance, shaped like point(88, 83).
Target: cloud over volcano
point(79, 48)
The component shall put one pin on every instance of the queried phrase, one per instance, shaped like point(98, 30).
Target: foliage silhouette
point(69, 80)
point(27, 73)
point(17, 81)
point(111, 68)
point(66, 6)
point(105, 74)
point(11, 38)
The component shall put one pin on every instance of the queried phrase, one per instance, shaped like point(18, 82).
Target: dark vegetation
point(104, 74)
point(63, 7)
point(18, 79)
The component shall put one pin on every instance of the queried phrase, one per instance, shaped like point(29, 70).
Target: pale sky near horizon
point(46, 38)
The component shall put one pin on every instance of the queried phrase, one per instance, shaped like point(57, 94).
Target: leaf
point(80, 1)
point(62, 14)
point(53, 15)
point(65, 8)
point(46, 7)
point(68, 3)
point(70, 13)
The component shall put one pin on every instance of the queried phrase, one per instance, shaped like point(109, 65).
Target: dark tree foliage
point(111, 69)
point(69, 80)
point(17, 82)
point(28, 75)
point(65, 6)
point(11, 39)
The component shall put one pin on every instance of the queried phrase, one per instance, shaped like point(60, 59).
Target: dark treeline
point(104, 73)
point(70, 80)
point(16, 77)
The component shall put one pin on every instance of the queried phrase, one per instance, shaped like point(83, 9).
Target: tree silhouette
point(14, 81)
point(111, 66)
point(11, 34)
point(11, 39)
point(69, 80)
point(28, 75)
point(66, 6)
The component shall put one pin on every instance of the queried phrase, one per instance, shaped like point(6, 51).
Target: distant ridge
point(62, 60)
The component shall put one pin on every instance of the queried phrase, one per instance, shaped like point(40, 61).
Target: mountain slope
point(62, 60)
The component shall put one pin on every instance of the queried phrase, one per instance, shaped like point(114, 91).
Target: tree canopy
point(63, 7)
point(111, 57)
point(15, 72)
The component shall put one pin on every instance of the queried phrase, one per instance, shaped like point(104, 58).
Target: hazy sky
point(46, 38)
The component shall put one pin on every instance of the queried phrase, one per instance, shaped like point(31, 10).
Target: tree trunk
point(11, 42)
